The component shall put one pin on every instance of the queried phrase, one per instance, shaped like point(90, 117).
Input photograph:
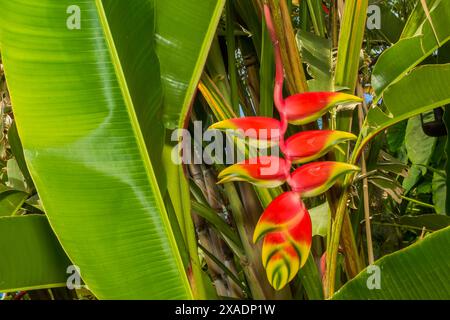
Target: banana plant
point(87, 92)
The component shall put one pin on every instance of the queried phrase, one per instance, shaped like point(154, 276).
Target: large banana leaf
point(417, 18)
point(184, 31)
point(78, 118)
point(396, 61)
point(30, 255)
point(424, 89)
point(418, 272)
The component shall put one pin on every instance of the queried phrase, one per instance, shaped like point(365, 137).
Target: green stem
point(231, 50)
point(341, 215)
point(420, 203)
point(315, 11)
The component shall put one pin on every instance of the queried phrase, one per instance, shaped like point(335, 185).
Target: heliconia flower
point(263, 171)
point(308, 107)
point(281, 212)
point(310, 145)
point(287, 231)
point(254, 128)
point(280, 259)
point(315, 178)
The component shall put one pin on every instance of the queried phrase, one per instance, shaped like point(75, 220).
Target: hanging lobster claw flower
point(308, 146)
point(287, 231)
point(256, 129)
point(280, 259)
point(263, 171)
point(315, 178)
point(308, 107)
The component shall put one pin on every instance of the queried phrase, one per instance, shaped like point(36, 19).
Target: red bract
point(257, 128)
point(280, 259)
point(310, 145)
point(264, 171)
point(315, 178)
point(307, 107)
point(287, 231)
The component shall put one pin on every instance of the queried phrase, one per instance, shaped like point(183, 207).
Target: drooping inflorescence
point(285, 225)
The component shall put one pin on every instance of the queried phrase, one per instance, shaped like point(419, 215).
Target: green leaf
point(350, 41)
point(80, 128)
point(220, 225)
point(317, 18)
point(415, 273)
point(419, 146)
point(447, 154)
point(266, 74)
point(311, 280)
point(396, 61)
point(11, 201)
point(320, 218)
point(17, 151)
point(348, 57)
point(316, 52)
point(389, 185)
point(439, 193)
point(31, 257)
point(184, 31)
point(417, 18)
point(424, 89)
point(432, 222)
point(395, 136)
point(413, 177)
point(231, 52)
point(15, 176)
point(391, 24)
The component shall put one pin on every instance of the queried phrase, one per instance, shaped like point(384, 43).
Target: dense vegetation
point(91, 95)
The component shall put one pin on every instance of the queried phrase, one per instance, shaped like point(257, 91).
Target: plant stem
point(231, 50)
point(420, 203)
point(365, 184)
point(315, 11)
point(367, 212)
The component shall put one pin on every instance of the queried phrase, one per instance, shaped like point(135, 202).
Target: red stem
point(279, 82)
point(279, 76)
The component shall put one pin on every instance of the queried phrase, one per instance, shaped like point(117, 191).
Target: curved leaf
point(184, 32)
point(11, 201)
point(396, 61)
point(30, 255)
point(424, 89)
point(316, 52)
point(79, 127)
point(418, 272)
point(417, 18)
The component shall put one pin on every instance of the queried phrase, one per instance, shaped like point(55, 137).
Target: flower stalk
point(285, 225)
